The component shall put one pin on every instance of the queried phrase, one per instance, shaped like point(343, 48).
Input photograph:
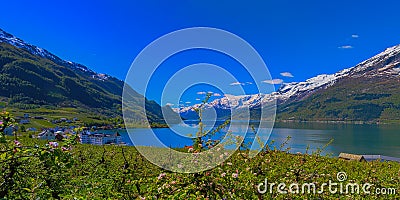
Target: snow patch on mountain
point(388, 53)
point(12, 40)
point(285, 92)
point(288, 91)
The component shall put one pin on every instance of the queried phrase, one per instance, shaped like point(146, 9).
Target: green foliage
point(113, 172)
point(364, 99)
point(37, 169)
point(30, 82)
point(29, 170)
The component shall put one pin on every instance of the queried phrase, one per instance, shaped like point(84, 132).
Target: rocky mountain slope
point(32, 77)
point(368, 91)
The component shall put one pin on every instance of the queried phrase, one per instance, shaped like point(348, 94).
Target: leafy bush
point(36, 169)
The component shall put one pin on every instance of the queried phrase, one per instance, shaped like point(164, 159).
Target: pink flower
point(235, 175)
point(53, 144)
point(17, 143)
point(223, 174)
point(161, 176)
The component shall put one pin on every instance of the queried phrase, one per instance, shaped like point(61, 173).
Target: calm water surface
point(350, 138)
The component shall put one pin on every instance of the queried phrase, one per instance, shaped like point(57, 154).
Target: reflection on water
point(350, 138)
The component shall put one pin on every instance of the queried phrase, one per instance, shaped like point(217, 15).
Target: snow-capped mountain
point(386, 63)
point(11, 39)
point(33, 77)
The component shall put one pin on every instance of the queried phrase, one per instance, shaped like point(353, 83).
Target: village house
point(31, 129)
point(24, 121)
point(100, 138)
point(10, 130)
point(47, 135)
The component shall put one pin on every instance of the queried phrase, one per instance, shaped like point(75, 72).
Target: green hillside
point(368, 99)
point(32, 84)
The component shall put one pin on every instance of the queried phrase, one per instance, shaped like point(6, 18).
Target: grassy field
point(84, 118)
point(115, 172)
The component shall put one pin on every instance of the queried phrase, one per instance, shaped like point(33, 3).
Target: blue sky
point(305, 38)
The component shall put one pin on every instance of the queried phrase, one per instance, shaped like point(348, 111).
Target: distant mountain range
point(369, 91)
point(31, 77)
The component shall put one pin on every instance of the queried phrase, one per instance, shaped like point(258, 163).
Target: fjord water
point(349, 138)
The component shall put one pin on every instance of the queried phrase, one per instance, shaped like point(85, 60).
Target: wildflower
point(200, 145)
point(180, 166)
point(229, 163)
point(161, 176)
point(64, 149)
point(17, 143)
point(190, 149)
point(223, 174)
point(53, 144)
point(235, 175)
point(221, 156)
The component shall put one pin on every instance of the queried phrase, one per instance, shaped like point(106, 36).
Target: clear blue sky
point(300, 37)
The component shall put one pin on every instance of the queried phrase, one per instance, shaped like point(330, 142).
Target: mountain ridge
point(385, 64)
point(32, 77)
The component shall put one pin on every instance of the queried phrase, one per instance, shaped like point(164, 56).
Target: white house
point(100, 138)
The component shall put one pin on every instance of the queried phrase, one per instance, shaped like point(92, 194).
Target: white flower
point(235, 175)
point(53, 144)
point(161, 176)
